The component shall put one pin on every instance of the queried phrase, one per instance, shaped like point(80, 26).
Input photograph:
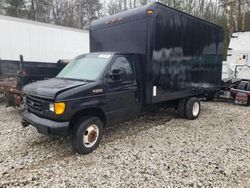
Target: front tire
point(86, 135)
point(192, 108)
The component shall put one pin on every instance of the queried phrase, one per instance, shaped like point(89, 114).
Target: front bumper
point(46, 126)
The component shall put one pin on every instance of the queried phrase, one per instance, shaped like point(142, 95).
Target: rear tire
point(86, 135)
point(192, 108)
point(181, 108)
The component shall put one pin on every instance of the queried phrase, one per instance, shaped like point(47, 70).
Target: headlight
point(51, 107)
point(58, 107)
point(23, 104)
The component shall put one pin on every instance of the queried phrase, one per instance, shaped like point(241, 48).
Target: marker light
point(150, 12)
point(59, 108)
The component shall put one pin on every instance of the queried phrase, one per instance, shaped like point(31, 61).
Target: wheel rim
point(196, 108)
point(90, 136)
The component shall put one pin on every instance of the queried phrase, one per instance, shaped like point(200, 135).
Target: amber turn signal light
point(59, 108)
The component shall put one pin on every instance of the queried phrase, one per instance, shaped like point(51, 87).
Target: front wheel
point(86, 135)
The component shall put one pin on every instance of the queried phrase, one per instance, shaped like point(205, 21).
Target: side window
point(125, 63)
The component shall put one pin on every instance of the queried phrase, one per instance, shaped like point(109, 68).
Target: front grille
point(34, 104)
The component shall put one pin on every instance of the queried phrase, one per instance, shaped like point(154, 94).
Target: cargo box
point(181, 55)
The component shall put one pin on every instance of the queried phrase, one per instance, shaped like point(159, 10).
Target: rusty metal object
point(90, 136)
point(8, 88)
point(16, 74)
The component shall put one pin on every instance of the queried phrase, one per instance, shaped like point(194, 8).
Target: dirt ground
point(156, 150)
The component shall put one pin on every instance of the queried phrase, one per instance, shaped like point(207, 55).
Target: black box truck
point(141, 60)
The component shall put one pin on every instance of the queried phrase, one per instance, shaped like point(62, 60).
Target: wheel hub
point(90, 136)
point(196, 108)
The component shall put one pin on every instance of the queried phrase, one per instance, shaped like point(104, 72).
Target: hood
point(52, 87)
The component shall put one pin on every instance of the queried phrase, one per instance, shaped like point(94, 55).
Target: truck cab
point(103, 85)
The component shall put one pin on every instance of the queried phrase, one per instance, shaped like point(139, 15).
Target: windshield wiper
point(83, 80)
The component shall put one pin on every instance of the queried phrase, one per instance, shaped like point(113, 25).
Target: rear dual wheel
point(189, 108)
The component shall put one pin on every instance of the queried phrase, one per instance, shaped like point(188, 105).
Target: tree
point(72, 13)
point(2, 11)
point(15, 8)
point(87, 11)
point(112, 7)
point(247, 21)
point(39, 10)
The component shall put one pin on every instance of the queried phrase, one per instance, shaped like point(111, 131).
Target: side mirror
point(117, 75)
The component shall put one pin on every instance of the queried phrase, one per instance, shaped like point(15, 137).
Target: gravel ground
point(157, 150)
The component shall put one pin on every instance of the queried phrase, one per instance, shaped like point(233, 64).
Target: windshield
point(87, 67)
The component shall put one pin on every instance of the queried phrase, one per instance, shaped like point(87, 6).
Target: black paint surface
point(181, 55)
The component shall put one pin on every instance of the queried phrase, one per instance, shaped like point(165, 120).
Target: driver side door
point(122, 93)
